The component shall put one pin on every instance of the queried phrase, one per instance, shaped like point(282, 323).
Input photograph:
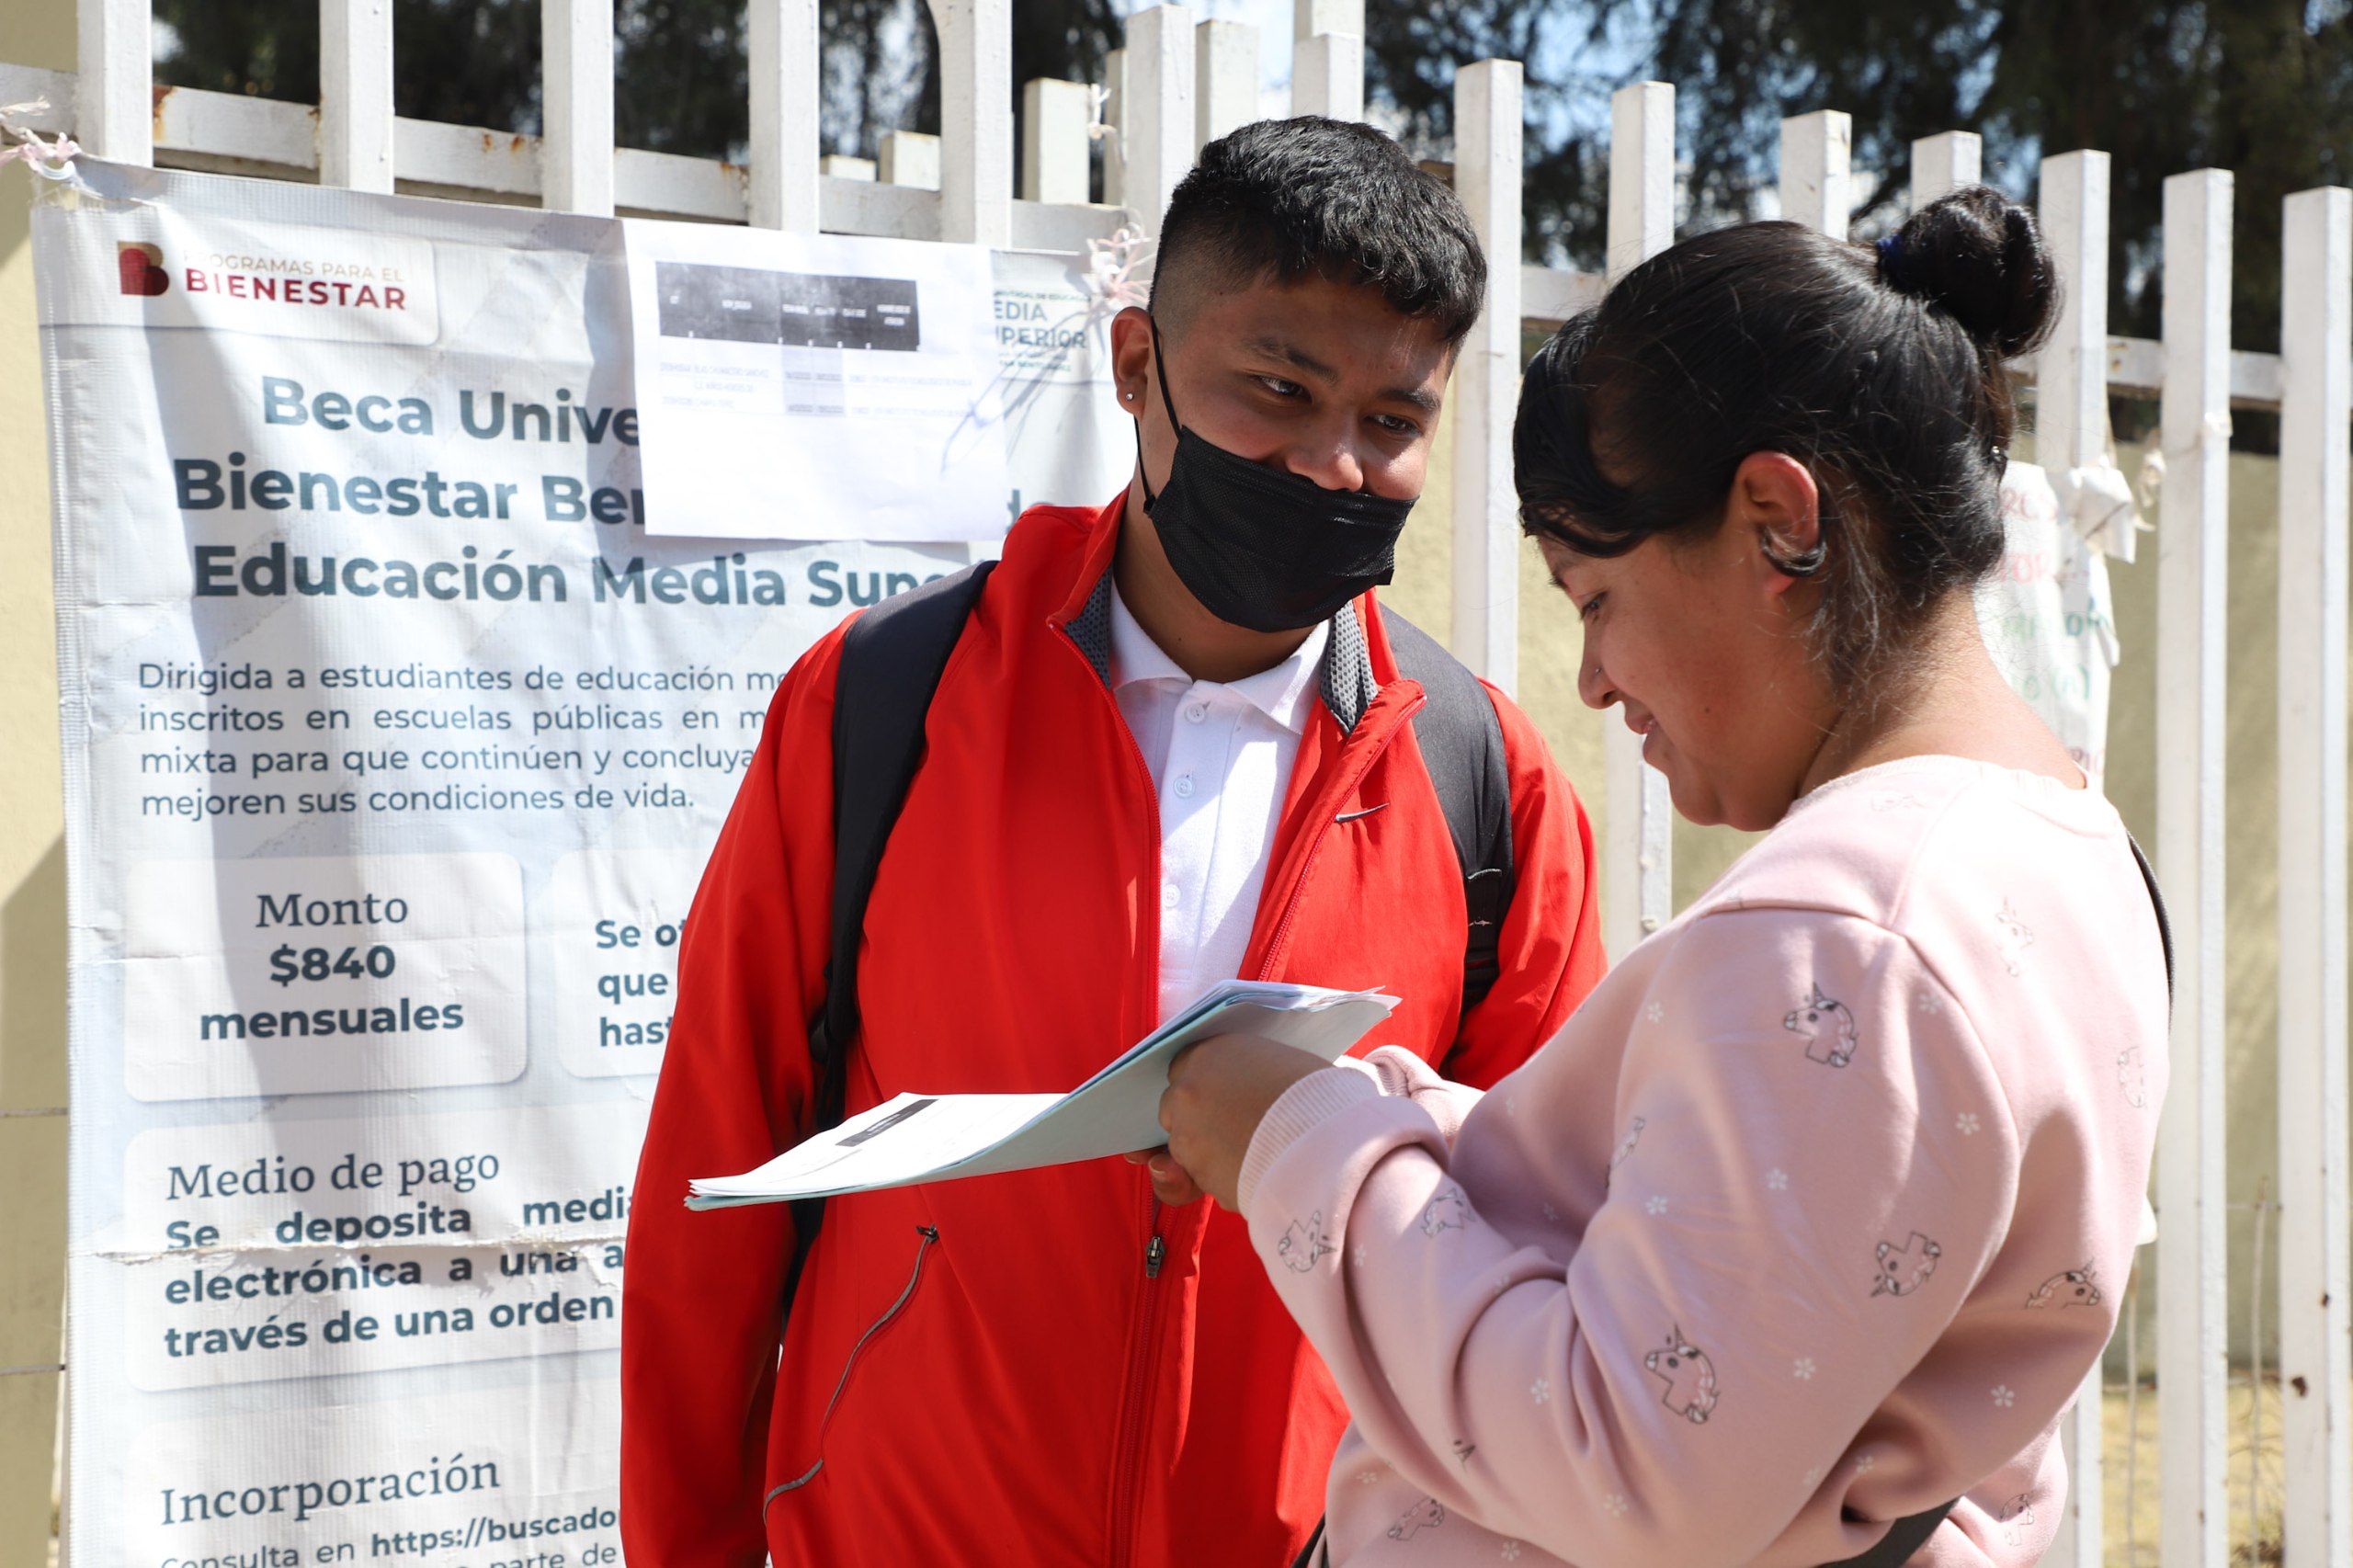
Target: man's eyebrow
point(1293, 356)
point(1290, 354)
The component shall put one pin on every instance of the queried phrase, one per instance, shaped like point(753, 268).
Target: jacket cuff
point(1314, 1098)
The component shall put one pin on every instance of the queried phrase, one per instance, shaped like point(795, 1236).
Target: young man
point(1171, 746)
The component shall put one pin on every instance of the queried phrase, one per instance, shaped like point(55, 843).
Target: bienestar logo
point(294, 280)
point(140, 269)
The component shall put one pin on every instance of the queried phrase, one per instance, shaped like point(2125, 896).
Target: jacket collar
point(1346, 681)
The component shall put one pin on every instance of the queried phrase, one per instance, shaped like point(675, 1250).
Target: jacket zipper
point(930, 1234)
point(1127, 1459)
point(1128, 1456)
point(1127, 1451)
point(1135, 1409)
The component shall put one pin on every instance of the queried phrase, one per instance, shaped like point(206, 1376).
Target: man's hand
point(1218, 1093)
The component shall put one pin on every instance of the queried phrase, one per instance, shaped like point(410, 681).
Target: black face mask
point(1260, 546)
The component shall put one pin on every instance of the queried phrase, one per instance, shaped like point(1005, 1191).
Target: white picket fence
point(1178, 83)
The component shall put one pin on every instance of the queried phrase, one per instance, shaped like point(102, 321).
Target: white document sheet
point(920, 1138)
point(815, 386)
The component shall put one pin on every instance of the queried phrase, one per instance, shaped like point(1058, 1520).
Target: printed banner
point(394, 741)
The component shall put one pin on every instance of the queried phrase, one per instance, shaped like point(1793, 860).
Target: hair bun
point(1979, 257)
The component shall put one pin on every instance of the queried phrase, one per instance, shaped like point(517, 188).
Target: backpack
point(892, 659)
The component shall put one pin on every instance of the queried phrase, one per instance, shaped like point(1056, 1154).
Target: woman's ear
point(1776, 502)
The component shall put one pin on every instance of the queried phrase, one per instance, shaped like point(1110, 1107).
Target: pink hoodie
point(1814, 1216)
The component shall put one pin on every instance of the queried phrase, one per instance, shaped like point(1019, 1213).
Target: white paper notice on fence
point(786, 382)
point(918, 1137)
point(1067, 442)
point(394, 744)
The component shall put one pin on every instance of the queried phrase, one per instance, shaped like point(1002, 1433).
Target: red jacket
point(988, 1370)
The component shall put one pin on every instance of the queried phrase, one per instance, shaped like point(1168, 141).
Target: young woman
point(1799, 1238)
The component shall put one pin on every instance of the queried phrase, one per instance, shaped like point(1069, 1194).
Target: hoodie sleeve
point(703, 1293)
point(1813, 1197)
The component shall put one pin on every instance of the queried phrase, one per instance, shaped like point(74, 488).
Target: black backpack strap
point(1907, 1535)
point(1463, 745)
point(1904, 1536)
point(892, 659)
point(2157, 900)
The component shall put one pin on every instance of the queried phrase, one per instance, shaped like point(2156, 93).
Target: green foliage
point(1739, 67)
point(2257, 87)
point(2263, 88)
point(1411, 53)
point(472, 64)
point(680, 68)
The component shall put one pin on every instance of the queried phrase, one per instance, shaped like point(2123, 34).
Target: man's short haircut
point(1288, 199)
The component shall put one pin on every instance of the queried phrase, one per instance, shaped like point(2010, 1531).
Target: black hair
point(1288, 199)
point(1879, 368)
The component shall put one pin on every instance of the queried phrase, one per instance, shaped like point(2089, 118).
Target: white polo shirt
point(1220, 756)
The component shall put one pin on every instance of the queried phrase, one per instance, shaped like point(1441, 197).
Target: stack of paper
point(919, 1138)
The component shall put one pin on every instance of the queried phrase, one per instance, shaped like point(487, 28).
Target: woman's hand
point(1218, 1093)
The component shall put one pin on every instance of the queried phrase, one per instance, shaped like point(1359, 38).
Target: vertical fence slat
point(1225, 79)
point(1641, 173)
point(976, 99)
point(1116, 100)
point(2315, 1228)
point(1157, 112)
point(2071, 372)
point(2192, 562)
point(1817, 155)
point(2082, 1527)
point(1310, 17)
point(1486, 377)
point(355, 93)
point(1054, 116)
point(576, 94)
point(1327, 76)
point(1639, 853)
point(910, 158)
point(783, 59)
point(2071, 394)
point(114, 115)
point(1943, 163)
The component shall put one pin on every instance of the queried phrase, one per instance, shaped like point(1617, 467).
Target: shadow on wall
point(32, 985)
point(2251, 882)
point(32, 1166)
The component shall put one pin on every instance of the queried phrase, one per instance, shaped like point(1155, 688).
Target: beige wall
point(2251, 837)
point(32, 874)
